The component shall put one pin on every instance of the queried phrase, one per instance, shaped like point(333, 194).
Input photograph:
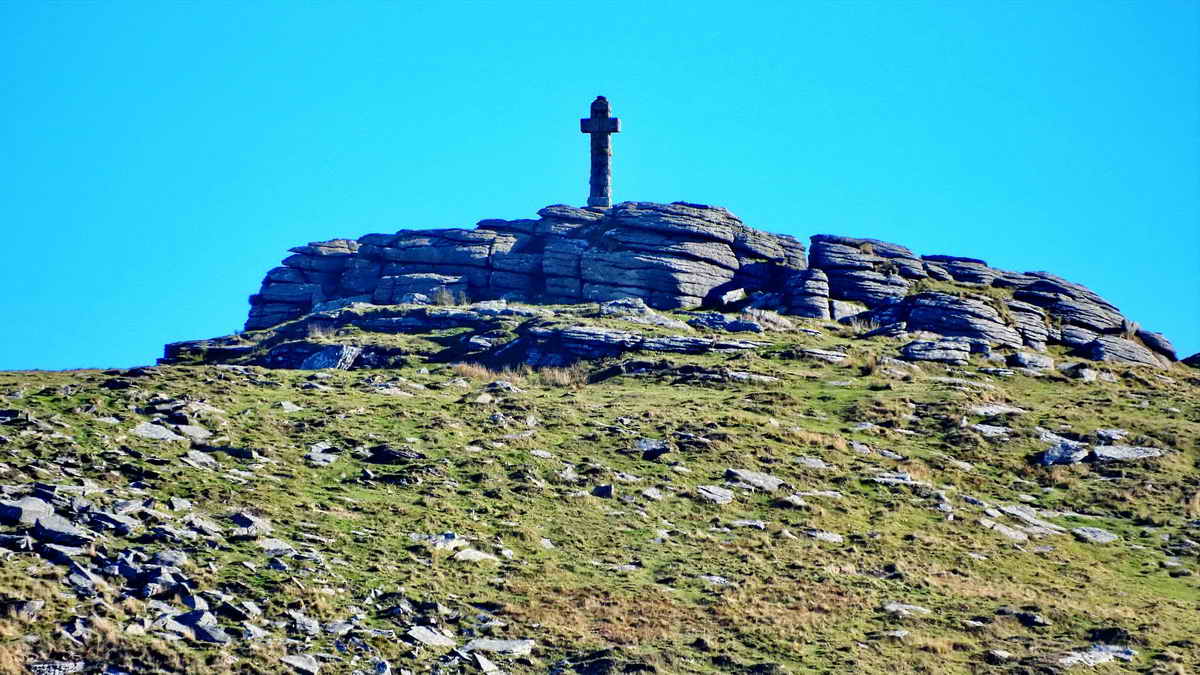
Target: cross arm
point(600, 125)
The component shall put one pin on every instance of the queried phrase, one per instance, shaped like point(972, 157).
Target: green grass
point(806, 605)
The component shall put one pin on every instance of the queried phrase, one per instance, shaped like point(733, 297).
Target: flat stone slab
point(1123, 453)
point(904, 611)
point(758, 479)
point(430, 637)
point(155, 432)
point(993, 409)
point(714, 494)
point(473, 555)
point(1094, 535)
point(512, 647)
point(827, 537)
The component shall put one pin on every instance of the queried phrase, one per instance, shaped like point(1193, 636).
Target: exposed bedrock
point(670, 255)
point(684, 255)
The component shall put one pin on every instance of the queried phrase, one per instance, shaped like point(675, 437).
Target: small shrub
point(862, 326)
point(443, 297)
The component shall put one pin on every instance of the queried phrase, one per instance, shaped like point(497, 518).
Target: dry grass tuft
point(569, 377)
point(475, 371)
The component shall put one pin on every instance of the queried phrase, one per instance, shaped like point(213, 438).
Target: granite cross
point(600, 125)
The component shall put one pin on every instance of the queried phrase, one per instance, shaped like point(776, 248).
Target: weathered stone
point(391, 289)
point(430, 637)
point(304, 664)
point(954, 351)
point(1118, 349)
point(1028, 360)
point(156, 432)
point(827, 537)
point(473, 555)
point(58, 530)
point(756, 479)
point(492, 645)
point(903, 611)
point(1158, 343)
point(24, 511)
point(806, 294)
point(969, 317)
point(338, 357)
point(1123, 453)
point(714, 494)
point(1094, 535)
point(1064, 452)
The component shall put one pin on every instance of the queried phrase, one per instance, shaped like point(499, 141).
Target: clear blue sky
point(157, 158)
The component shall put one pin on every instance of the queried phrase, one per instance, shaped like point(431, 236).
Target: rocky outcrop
point(684, 255)
point(490, 332)
point(877, 282)
point(670, 255)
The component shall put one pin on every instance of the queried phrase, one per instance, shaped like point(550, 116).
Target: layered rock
point(670, 255)
point(883, 283)
point(690, 255)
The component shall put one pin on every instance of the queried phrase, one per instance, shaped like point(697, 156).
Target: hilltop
point(641, 439)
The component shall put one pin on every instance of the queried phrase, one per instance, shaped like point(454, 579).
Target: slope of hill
point(673, 497)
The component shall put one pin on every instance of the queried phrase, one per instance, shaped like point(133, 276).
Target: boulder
point(806, 293)
point(1028, 360)
point(337, 357)
point(762, 481)
point(1158, 343)
point(1120, 350)
point(949, 315)
point(1123, 453)
point(954, 351)
point(392, 289)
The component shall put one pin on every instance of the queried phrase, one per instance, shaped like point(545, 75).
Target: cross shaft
point(600, 126)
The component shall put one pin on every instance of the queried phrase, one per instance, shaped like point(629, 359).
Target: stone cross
point(600, 125)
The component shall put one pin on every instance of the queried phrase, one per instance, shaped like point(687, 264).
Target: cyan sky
point(157, 158)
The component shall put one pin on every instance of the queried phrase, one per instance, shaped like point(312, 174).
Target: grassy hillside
point(886, 479)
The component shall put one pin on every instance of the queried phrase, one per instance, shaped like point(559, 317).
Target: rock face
point(683, 255)
point(670, 255)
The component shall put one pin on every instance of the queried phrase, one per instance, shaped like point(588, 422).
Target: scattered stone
point(1063, 452)
point(755, 524)
point(714, 494)
point(305, 664)
point(1005, 530)
point(156, 432)
point(953, 351)
point(997, 657)
point(990, 431)
point(755, 479)
point(903, 611)
point(827, 537)
point(1097, 655)
point(1123, 453)
point(1031, 620)
point(24, 511)
point(1094, 535)
point(491, 645)
point(812, 462)
point(1030, 360)
point(995, 409)
point(473, 555)
point(431, 637)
